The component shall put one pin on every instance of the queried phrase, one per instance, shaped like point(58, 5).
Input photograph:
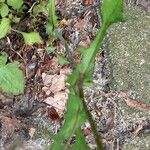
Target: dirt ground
point(27, 121)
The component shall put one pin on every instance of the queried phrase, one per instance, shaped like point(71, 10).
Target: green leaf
point(51, 49)
point(41, 7)
point(16, 4)
point(74, 118)
point(62, 60)
point(112, 11)
point(3, 59)
point(59, 36)
point(4, 27)
point(15, 19)
point(4, 10)
point(88, 78)
point(52, 13)
point(49, 28)
point(73, 78)
point(11, 77)
point(31, 38)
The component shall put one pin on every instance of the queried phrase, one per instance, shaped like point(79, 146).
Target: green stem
point(89, 116)
point(16, 31)
point(87, 59)
point(99, 37)
point(93, 49)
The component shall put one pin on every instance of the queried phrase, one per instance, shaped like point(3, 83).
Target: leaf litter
point(55, 85)
point(47, 85)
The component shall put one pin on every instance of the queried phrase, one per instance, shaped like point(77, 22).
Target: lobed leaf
point(11, 77)
point(31, 38)
point(4, 10)
point(16, 4)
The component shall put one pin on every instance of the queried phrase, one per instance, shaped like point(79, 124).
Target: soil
point(28, 121)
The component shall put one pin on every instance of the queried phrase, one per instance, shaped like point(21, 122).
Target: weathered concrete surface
point(137, 143)
point(130, 55)
point(129, 50)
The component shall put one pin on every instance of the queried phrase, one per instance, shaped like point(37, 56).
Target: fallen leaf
point(31, 132)
point(58, 83)
point(47, 79)
point(55, 83)
point(138, 129)
point(46, 90)
point(58, 101)
point(55, 88)
point(88, 2)
point(52, 113)
point(133, 103)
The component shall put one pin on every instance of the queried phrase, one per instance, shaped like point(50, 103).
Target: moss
point(129, 46)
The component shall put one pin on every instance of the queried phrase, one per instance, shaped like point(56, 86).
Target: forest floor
point(28, 121)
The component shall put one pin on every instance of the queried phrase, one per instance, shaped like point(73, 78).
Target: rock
point(129, 46)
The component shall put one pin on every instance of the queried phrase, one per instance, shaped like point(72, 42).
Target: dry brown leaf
point(56, 84)
point(46, 90)
point(58, 101)
point(47, 79)
point(52, 113)
point(88, 2)
point(133, 103)
point(80, 24)
point(31, 132)
point(138, 129)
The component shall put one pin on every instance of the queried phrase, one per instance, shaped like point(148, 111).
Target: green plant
point(10, 82)
point(11, 77)
point(48, 8)
point(8, 18)
point(77, 111)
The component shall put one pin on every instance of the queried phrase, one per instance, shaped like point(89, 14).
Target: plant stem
point(89, 116)
point(16, 30)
